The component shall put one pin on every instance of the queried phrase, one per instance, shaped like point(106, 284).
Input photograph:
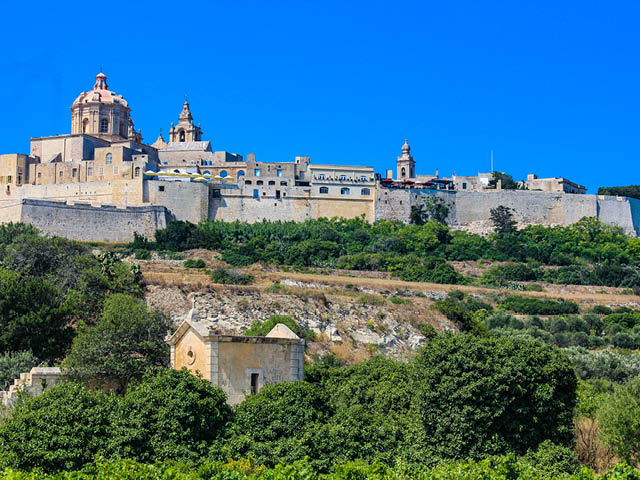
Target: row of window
point(74, 172)
point(346, 191)
point(257, 171)
point(271, 182)
point(342, 178)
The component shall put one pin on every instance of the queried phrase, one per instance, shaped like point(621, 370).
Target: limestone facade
point(239, 365)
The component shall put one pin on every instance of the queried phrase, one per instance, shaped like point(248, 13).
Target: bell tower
point(185, 131)
point(405, 163)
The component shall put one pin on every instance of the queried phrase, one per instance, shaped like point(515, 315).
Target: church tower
point(185, 131)
point(405, 163)
point(102, 113)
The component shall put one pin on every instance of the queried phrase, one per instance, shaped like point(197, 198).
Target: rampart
point(82, 221)
point(529, 207)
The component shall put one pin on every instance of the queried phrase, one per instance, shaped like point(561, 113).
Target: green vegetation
point(231, 277)
point(12, 364)
point(586, 252)
point(632, 191)
point(260, 329)
point(121, 346)
point(194, 263)
point(539, 306)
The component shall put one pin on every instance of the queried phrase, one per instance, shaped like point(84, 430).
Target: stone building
point(239, 365)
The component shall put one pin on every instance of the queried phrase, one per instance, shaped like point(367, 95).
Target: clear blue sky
point(551, 86)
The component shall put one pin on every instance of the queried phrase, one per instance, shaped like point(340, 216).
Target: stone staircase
point(31, 383)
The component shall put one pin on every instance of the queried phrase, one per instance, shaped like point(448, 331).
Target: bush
point(12, 364)
point(62, 429)
point(260, 329)
point(481, 396)
point(607, 365)
point(194, 263)
point(619, 421)
point(538, 306)
point(141, 254)
point(515, 272)
point(231, 277)
point(171, 414)
point(554, 460)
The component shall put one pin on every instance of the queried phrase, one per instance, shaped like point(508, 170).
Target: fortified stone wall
point(81, 221)
point(529, 207)
point(286, 203)
point(185, 201)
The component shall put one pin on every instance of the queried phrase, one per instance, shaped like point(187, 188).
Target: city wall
point(82, 221)
point(529, 207)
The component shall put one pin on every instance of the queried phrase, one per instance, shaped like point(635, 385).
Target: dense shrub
point(617, 367)
point(490, 388)
point(539, 306)
point(12, 364)
point(233, 277)
point(194, 263)
point(516, 272)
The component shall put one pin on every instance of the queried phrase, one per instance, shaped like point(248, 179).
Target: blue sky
point(551, 86)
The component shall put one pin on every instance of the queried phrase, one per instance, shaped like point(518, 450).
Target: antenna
point(491, 161)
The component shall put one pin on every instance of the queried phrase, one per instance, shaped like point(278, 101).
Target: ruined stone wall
point(81, 221)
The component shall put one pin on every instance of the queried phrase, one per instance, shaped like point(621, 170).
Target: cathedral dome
point(100, 93)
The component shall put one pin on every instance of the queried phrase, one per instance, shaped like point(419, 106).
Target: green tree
point(432, 209)
point(61, 429)
point(482, 396)
point(126, 340)
point(170, 415)
point(502, 219)
point(619, 421)
point(32, 317)
point(508, 183)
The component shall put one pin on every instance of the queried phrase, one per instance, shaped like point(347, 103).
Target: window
point(247, 182)
point(161, 188)
point(343, 178)
point(464, 185)
point(284, 184)
point(256, 172)
point(89, 172)
point(363, 178)
point(324, 190)
point(104, 125)
point(277, 193)
point(224, 174)
point(240, 174)
point(9, 178)
point(279, 172)
point(404, 172)
point(271, 182)
point(61, 174)
point(182, 136)
point(259, 182)
point(254, 383)
point(137, 172)
point(176, 171)
point(256, 193)
point(321, 176)
point(109, 159)
point(101, 172)
point(85, 125)
point(365, 191)
point(206, 172)
point(115, 170)
point(216, 193)
point(74, 172)
point(19, 179)
point(39, 174)
point(344, 191)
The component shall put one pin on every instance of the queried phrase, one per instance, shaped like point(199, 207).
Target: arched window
point(365, 191)
point(240, 174)
point(85, 125)
point(224, 174)
point(104, 125)
point(271, 182)
point(176, 171)
point(259, 182)
point(404, 172)
point(344, 191)
point(182, 137)
point(109, 159)
point(206, 172)
point(137, 171)
point(324, 189)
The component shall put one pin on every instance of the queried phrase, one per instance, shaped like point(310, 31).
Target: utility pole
point(492, 160)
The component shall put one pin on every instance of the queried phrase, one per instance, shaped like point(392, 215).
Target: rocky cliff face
point(352, 324)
